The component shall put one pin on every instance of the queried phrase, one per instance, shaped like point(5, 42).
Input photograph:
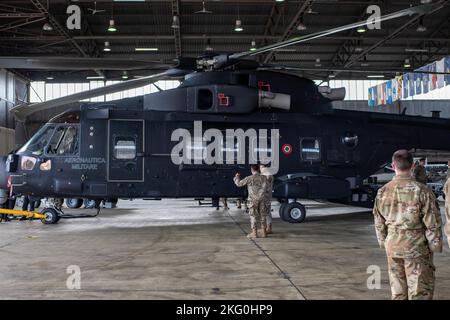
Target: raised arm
point(241, 183)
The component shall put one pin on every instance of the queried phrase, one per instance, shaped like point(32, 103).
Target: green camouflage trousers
point(412, 278)
point(258, 210)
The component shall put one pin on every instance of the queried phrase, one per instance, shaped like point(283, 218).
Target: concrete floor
point(174, 249)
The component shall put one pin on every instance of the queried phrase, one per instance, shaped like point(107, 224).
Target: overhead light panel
point(112, 26)
point(146, 49)
point(125, 75)
point(49, 78)
point(175, 22)
point(375, 76)
point(238, 27)
point(416, 50)
point(253, 47)
point(95, 78)
point(107, 47)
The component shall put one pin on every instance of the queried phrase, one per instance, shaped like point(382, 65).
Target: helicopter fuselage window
point(125, 148)
point(39, 141)
point(204, 99)
point(64, 141)
point(310, 149)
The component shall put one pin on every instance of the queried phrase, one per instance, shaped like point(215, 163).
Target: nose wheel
point(51, 216)
point(293, 212)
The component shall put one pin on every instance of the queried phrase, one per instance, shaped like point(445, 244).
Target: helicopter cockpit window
point(350, 140)
point(36, 145)
point(204, 99)
point(125, 148)
point(310, 149)
point(64, 142)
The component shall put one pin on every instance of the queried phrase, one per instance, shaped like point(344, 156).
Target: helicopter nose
point(3, 174)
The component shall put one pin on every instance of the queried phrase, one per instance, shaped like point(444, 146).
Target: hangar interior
point(145, 249)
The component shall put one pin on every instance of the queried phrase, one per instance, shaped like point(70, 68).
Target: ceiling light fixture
point(49, 78)
point(301, 26)
point(125, 75)
point(318, 64)
point(112, 26)
point(175, 22)
point(107, 47)
point(208, 45)
point(238, 27)
point(372, 76)
point(253, 47)
point(421, 27)
point(361, 29)
point(47, 27)
point(407, 64)
point(203, 11)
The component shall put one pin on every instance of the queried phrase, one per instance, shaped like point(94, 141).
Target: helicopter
point(189, 142)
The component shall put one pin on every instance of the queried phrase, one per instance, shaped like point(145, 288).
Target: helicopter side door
point(126, 149)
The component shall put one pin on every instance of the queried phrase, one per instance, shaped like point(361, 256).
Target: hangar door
point(126, 149)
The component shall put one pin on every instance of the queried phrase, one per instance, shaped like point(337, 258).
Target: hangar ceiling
point(30, 28)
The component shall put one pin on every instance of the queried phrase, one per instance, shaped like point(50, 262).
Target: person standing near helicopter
point(256, 184)
point(267, 197)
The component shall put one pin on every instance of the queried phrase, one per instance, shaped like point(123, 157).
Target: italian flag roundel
point(287, 149)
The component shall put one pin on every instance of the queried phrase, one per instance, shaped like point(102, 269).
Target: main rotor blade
point(374, 71)
point(421, 10)
point(78, 63)
point(24, 110)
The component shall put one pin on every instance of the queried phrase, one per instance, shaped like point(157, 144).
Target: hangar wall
point(413, 107)
point(13, 90)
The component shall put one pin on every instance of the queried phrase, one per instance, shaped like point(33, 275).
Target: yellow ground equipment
point(47, 216)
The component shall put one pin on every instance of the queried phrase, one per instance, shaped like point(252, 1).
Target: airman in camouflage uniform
point(447, 209)
point(408, 226)
point(448, 169)
point(256, 184)
point(419, 171)
point(267, 198)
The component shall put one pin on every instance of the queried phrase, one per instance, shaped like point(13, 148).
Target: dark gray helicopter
point(131, 148)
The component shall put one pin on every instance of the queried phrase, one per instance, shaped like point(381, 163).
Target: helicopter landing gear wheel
point(74, 203)
point(281, 209)
point(293, 212)
point(91, 203)
point(51, 216)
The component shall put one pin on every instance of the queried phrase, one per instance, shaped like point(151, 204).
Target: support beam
point(177, 31)
point(292, 25)
point(391, 35)
point(19, 23)
point(60, 29)
point(347, 48)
